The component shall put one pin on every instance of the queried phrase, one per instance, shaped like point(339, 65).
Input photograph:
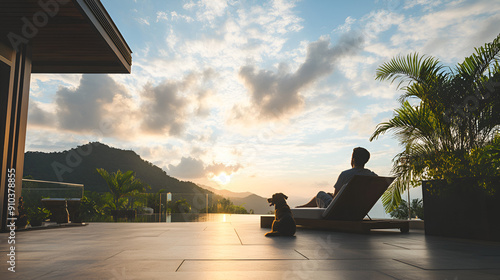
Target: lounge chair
point(348, 209)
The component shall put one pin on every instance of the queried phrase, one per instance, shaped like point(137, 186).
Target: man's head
point(360, 157)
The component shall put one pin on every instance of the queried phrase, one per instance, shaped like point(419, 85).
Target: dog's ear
point(284, 196)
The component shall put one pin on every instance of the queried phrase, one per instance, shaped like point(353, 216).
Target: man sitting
point(360, 157)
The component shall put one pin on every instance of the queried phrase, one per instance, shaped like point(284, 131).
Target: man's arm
point(340, 182)
point(336, 192)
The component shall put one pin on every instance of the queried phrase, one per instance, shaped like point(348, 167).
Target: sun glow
point(222, 178)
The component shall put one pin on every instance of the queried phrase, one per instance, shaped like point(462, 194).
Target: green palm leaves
point(121, 184)
point(454, 124)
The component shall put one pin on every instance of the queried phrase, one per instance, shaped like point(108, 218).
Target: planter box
point(58, 208)
point(63, 209)
point(462, 209)
point(74, 210)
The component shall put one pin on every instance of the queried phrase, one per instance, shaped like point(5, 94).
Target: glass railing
point(178, 207)
point(84, 206)
point(37, 189)
point(44, 200)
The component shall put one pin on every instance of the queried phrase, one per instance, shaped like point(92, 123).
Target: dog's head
point(277, 198)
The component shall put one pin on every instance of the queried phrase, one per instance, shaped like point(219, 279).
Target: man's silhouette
point(360, 157)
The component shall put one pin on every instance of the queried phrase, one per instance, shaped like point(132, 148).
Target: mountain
point(248, 200)
point(258, 204)
point(79, 165)
point(227, 193)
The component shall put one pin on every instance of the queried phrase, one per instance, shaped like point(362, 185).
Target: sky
point(258, 96)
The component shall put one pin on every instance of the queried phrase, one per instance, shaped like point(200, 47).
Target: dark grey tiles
point(238, 249)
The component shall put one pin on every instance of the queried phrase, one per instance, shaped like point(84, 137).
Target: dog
point(283, 224)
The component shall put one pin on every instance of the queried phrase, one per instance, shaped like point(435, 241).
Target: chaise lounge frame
point(348, 209)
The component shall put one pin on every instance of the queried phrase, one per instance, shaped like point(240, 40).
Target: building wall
point(15, 72)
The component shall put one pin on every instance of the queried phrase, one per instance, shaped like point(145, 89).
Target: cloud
point(450, 31)
point(207, 10)
point(379, 21)
point(163, 108)
point(39, 117)
point(362, 124)
point(160, 15)
point(84, 108)
point(346, 27)
point(64, 79)
point(97, 105)
point(174, 16)
point(191, 168)
point(237, 34)
point(427, 4)
point(55, 140)
point(167, 107)
point(203, 109)
point(188, 168)
point(279, 18)
point(100, 106)
point(143, 21)
point(277, 94)
point(218, 168)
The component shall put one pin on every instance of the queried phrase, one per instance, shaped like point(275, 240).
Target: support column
point(15, 74)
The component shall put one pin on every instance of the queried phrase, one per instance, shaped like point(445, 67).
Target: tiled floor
point(237, 249)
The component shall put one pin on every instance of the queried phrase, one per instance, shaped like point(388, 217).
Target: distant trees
point(180, 206)
point(153, 200)
point(225, 205)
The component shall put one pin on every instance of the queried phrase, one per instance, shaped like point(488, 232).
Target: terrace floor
point(237, 249)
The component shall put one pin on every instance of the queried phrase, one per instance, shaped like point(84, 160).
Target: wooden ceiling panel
point(78, 37)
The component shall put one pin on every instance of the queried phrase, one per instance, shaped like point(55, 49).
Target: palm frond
point(110, 180)
point(409, 124)
point(475, 65)
point(412, 68)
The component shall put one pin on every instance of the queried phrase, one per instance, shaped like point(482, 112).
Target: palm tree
point(121, 184)
point(452, 126)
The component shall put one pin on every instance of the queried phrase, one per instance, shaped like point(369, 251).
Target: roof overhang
point(66, 36)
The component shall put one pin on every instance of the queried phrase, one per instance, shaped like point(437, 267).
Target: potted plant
point(450, 137)
point(120, 186)
point(22, 218)
point(37, 215)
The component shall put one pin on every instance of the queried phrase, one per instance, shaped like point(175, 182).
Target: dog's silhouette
point(283, 224)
